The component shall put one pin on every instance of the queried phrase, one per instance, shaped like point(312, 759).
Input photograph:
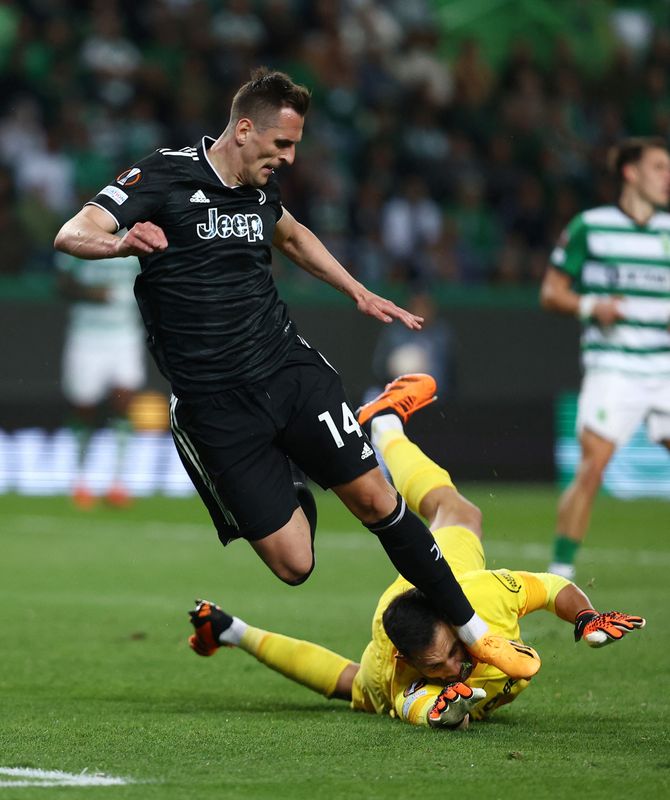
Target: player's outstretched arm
point(594, 628)
point(598, 630)
point(90, 235)
point(557, 294)
point(306, 250)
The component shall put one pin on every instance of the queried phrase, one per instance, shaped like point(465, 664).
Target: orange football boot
point(402, 396)
point(513, 658)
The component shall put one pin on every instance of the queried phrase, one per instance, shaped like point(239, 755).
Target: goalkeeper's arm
point(596, 629)
point(570, 603)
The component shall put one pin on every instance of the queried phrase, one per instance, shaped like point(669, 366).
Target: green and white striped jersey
point(605, 252)
point(119, 314)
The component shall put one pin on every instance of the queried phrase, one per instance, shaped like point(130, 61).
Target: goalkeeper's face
point(445, 658)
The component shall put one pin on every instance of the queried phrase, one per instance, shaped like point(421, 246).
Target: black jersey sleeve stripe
point(190, 453)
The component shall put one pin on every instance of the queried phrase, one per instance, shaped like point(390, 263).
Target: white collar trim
point(206, 139)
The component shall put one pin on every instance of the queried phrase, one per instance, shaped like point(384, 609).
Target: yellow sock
point(414, 474)
point(303, 662)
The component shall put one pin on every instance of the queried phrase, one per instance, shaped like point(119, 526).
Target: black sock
point(415, 554)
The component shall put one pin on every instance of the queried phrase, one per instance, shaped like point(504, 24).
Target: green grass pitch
point(96, 674)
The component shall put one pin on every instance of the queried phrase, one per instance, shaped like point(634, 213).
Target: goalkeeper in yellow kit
point(415, 667)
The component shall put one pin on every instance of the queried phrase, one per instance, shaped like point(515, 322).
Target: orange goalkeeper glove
point(597, 630)
point(453, 704)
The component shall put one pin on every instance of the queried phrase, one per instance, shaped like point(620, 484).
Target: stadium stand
point(502, 120)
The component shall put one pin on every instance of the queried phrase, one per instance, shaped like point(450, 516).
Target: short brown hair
point(630, 151)
point(266, 93)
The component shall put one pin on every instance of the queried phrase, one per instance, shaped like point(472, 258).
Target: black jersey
point(209, 302)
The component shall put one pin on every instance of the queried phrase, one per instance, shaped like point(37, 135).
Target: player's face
point(269, 147)
point(446, 658)
point(651, 176)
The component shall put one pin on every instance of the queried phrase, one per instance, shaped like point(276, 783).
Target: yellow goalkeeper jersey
point(387, 684)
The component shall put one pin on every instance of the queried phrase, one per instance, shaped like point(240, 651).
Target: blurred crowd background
point(448, 141)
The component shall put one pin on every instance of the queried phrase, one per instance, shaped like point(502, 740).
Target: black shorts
point(235, 445)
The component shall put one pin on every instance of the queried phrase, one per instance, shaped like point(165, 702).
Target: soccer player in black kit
point(248, 392)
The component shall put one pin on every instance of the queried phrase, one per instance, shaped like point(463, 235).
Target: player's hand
point(143, 238)
point(453, 705)
point(608, 311)
point(597, 630)
point(384, 310)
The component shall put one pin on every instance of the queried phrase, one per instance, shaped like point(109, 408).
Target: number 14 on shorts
point(349, 424)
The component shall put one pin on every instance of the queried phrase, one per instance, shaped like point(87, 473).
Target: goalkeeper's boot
point(209, 621)
point(402, 397)
point(513, 658)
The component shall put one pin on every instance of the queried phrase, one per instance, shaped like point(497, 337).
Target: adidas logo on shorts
point(367, 451)
point(199, 197)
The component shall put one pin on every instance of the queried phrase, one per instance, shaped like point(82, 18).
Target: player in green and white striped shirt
point(611, 268)
point(103, 358)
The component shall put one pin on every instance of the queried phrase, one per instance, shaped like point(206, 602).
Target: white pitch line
point(28, 776)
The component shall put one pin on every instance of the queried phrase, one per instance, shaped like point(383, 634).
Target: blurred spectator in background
point(473, 77)
point(103, 361)
point(14, 236)
point(411, 224)
point(525, 221)
point(421, 69)
point(368, 251)
point(109, 58)
point(476, 232)
point(238, 36)
point(48, 172)
point(428, 350)
point(21, 131)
